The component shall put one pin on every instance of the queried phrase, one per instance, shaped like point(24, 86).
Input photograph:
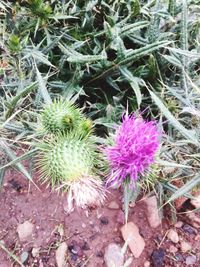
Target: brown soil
point(85, 232)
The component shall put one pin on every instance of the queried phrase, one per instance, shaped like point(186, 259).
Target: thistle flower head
point(136, 143)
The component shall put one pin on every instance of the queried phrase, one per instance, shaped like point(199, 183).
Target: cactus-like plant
point(64, 117)
point(68, 162)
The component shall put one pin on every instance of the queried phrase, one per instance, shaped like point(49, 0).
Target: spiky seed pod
point(68, 163)
point(61, 117)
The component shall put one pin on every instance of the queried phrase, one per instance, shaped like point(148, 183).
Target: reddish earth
point(86, 233)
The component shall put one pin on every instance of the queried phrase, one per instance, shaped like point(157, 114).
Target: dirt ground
point(86, 232)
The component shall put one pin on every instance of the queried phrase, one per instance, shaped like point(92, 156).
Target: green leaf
point(173, 60)
point(133, 82)
point(15, 160)
point(186, 133)
point(38, 56)
point(42, 86)
point(8, 151)
point(19, 96)
point(172, 164)
point(134, 55)
point(186, 53)
point(60, 16)
point(86, 58)
point(185, 189)
point(130, 28)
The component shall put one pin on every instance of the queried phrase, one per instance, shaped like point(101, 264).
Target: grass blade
point(18, 159)
point(185, 189)
point(186, 133)
point(19, 96)
point(8, 151)
point(133, 82)
point(135, 54)
point(42, 86)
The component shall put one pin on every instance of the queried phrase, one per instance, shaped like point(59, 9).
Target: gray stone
point(113, 205)
point(158, 257)
point(189, 229)
point(35, 252)
point(173, 249)
point(25, 230)
point(179, 224)
point(185, 246)
point(153, 215)
point(113, 256)
point(131, 235)
point(173, 236)
point(147, 264)
point(190, 260)
point(60, 255)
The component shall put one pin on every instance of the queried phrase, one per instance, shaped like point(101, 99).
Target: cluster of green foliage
point(107, 55)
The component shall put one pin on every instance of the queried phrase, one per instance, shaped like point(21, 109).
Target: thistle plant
point(68, 155)
point(68, 163)
point(135, 145)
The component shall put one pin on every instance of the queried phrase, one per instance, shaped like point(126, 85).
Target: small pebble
point(147, 264)
point(173, 236)
point(74, 257)
point(60, 255)
point(157, 257)
point(99, 254)
point(113, 205)
point(131, 235)
point(189, 229)
point(113, 255)
point(35, 252)
point(83, 225)
point(153, 214)
point(24, 257)
point(132, 205)
point(179, 224)
point(104, 220)
point(190, 260)
point(185, 246)
point(25, 230)
point(173, 249)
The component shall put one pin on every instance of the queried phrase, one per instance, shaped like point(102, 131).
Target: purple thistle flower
point(136, 143)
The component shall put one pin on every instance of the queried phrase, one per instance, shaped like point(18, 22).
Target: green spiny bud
point(68, 162)
point(61, 117)
point(65, 159)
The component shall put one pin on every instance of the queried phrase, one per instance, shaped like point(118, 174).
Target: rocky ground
point(36, 231)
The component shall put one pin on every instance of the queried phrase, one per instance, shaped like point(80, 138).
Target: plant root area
point(87, 233)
